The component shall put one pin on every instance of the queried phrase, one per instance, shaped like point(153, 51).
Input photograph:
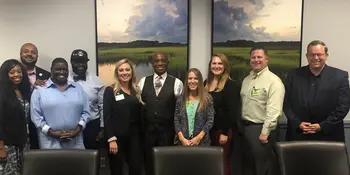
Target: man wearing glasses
point(317, 98)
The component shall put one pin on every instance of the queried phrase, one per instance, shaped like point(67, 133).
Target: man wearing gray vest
point(159, 92)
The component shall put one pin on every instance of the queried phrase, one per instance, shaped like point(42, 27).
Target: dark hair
point(7, 93)
point(155, 55)
point(258, 47)
point(59, 60)
point(318, 42)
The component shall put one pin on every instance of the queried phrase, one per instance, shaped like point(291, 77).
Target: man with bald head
point(29, 57)
point(159, 92)
point(37, 76)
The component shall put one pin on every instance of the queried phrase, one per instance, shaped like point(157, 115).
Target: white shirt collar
point(72, 74)
point(163, 76)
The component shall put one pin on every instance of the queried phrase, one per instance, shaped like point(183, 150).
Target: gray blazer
point(203, 121)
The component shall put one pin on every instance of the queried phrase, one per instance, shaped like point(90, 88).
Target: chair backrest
point(185, 160)
point(61, 162)
point(312, 158)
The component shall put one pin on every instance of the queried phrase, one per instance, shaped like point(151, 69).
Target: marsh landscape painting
point(135, 29)
point(240, 24)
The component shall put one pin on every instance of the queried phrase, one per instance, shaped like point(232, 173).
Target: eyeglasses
point(316, 54)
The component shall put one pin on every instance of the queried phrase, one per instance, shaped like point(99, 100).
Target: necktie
point(77, 78)
point(158, 84)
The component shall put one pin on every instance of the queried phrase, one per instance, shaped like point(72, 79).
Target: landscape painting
point(240, 24)
point(135, 29)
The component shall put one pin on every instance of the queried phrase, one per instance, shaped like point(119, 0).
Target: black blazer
point(330, 105)
point(121, 114)
point(13, 129)
point(227, 106)
point(42, 74)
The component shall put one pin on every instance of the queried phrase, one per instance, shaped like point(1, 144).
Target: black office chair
point(61, 162)
point(312, 158)
point(187, 160)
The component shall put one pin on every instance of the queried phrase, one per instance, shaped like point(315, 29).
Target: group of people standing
point(65, 110)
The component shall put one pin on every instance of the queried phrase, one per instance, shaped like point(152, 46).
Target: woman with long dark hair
point(14, 110)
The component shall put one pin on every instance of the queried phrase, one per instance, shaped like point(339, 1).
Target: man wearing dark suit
point(37, 76)
point(317, 98)
point(159, 92)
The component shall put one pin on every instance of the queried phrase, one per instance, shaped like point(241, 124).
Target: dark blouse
point(121, 112)
point(226, 106)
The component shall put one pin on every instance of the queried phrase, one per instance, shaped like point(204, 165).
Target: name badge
point(255, 92)
point(119, 97)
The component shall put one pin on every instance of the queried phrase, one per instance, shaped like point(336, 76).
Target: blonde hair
point(202, 92)
point(134, 89)
point(224, 76)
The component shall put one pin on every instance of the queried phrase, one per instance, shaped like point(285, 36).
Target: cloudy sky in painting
point(257, 20)
point(129, 20)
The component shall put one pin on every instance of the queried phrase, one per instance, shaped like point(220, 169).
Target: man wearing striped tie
point(159, 92)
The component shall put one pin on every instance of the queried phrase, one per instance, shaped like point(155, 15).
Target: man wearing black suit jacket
point(317, 98)
point(37, 76)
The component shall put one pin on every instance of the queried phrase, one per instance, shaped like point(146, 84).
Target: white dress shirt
point(94, 88)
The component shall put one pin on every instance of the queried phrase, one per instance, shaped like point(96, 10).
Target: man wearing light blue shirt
point(60, 110)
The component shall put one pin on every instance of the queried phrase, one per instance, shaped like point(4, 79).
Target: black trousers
point(236, 156)
point(129, 150)
point(90, 134)
point(264, 159)
point(156, 137)
point(33, 136)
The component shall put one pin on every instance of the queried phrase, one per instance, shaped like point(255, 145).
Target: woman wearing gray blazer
point(194, 112)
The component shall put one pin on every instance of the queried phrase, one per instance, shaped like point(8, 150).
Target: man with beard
point(94, 88)
point(37, 76)
point(317, 98)
point(29, 57)
point(159, 92)
point(60, 110)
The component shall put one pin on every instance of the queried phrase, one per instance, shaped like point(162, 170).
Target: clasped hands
point(64, 135)
point(194, 141)
point(309, 128)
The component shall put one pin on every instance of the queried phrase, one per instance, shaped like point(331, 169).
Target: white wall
point(200, 34)
point(56, 27)
point(328, 20)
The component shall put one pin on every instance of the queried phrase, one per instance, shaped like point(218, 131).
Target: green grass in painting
point(280, 60)
point(177, 55)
